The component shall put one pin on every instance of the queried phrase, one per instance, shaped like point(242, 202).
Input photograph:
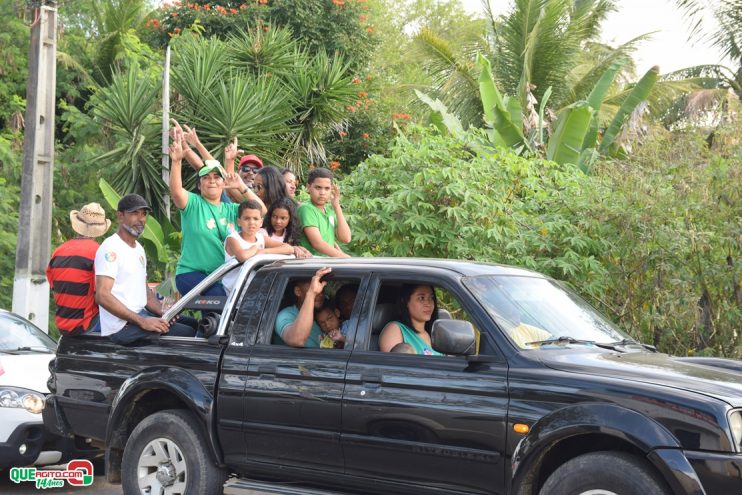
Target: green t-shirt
point(326, 221)
point(286, 317)
point(205, 228)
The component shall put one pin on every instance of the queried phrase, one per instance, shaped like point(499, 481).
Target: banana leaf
point(444, 120)
point(638, 94)
point(152, 229)
point(565, 145)
point(595, 100)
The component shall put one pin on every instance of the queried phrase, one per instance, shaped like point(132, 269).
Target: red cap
point(251, 159)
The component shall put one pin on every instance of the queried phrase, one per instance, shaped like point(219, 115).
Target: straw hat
point(90, 221)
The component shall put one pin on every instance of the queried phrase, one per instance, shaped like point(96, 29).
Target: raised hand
point(190, 136)
point(176, 148)
point(316, 285)
point(234, 181)
point(335, 194)
point(230, 152)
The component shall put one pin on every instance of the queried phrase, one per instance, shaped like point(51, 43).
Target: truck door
point(233, 377)
point(293, 395)
point(424, 421)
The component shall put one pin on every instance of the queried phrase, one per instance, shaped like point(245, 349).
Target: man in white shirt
point(129, 311)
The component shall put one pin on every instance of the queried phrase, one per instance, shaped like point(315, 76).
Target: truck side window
point(333, 326)
point(399, 303)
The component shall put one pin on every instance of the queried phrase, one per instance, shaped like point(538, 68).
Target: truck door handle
point(266, 371)
point(371, 380)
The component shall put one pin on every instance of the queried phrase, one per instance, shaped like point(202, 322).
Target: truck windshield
point(536, 312)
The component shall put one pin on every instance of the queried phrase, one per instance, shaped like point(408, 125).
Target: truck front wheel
point(604, 473)
point(166, 453)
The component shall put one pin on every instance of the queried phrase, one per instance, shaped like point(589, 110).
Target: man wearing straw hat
point(71, 274)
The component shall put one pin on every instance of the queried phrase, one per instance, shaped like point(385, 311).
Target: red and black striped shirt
point(72, 279)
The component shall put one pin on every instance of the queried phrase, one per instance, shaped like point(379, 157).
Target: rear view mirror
point(454, 337)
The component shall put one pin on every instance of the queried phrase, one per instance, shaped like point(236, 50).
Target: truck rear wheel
point(604, 473)
point(166, 453)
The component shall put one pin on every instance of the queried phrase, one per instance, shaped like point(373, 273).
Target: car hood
point(707, 378)
point(29, 371)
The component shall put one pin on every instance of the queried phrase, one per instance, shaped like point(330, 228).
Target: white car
point(25, 352)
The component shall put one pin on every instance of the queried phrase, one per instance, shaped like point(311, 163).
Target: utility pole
point(165, 129)
point(30, 287)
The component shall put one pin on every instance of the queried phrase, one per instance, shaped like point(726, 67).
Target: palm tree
point(725, 34)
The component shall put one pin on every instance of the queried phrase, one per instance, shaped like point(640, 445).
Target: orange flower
point(343, 133)
point(174, 14)
point(362, 94)
point(370, 29)
point(350, 108)
point(263, 2)
point(368, 77)
point(243, 6)
point(233, 11)
point(334, 165)
point(364, 135)
point(207, 7)
point(363, 18)
point(338, 3)
point(177, 30)
point(356, 80)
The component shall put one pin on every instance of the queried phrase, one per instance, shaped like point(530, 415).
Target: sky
point(669, 47)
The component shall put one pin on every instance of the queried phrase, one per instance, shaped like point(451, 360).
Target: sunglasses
point(247, 168)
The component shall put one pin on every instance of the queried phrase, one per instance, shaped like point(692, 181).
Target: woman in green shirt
point(418, 310)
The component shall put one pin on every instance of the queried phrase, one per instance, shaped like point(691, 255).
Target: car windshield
point(537, 312)
point(18, 335)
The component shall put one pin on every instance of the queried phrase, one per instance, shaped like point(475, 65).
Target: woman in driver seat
point(418, 309)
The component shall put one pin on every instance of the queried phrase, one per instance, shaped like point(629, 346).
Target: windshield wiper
point(39, 348)
point(563, 340)
point(625, 343)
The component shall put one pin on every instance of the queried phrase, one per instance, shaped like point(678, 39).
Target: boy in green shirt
point(322, 226)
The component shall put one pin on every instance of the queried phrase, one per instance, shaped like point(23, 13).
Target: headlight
point(735, 423)
point(29, 400)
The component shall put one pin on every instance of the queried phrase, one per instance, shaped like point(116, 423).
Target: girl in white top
point(248, 241)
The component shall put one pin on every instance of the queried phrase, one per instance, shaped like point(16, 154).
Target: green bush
point(653, 242)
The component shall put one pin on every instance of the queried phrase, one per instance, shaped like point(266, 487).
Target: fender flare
point(177, 381)
point(612, 420)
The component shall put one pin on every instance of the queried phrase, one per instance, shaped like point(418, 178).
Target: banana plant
point(502, 114)
point(565, 144)
point(639, 93)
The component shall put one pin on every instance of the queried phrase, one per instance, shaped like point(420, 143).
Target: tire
point(604, 473)
point(168, 450)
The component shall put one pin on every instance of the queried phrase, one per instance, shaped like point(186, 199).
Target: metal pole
point(30, 287)
point(165, 127)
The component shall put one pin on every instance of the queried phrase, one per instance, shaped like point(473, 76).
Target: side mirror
point(454, 337)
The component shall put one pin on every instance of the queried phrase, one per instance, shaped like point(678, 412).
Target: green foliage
point(127, 108)
point(320, 26)
point(672, 212)
point(14, 42)
point(434, 197)
point(639, 93)
point(654, 242)
point(565, 144)
point(9, 195)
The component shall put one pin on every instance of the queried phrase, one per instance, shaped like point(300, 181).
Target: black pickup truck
point(535, 393)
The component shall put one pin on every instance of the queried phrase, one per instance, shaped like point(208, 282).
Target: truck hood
point(714, 378)
point(29, 371)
